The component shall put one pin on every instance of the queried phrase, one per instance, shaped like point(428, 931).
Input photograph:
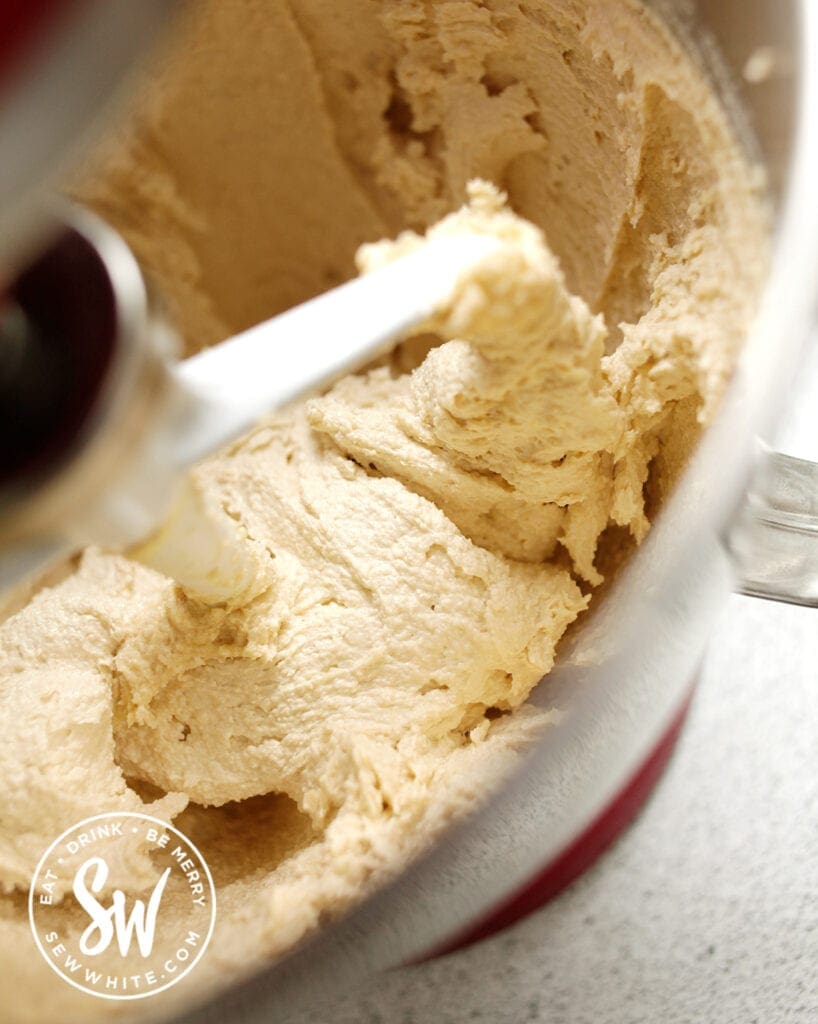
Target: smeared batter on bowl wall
point(419, 538)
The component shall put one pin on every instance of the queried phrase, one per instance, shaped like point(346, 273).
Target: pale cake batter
point(418, 539)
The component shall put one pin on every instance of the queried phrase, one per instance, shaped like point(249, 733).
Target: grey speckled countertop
point(706, 910)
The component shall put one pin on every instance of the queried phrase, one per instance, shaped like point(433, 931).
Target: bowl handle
point(775, 538)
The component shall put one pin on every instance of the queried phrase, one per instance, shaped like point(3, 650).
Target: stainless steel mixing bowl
point(626, 677)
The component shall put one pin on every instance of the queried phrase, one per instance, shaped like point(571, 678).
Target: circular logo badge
point(122, 905)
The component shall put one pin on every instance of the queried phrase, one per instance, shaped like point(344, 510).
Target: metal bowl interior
point(628, 670)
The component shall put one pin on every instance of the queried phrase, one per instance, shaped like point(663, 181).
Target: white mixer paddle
point(225, 390)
